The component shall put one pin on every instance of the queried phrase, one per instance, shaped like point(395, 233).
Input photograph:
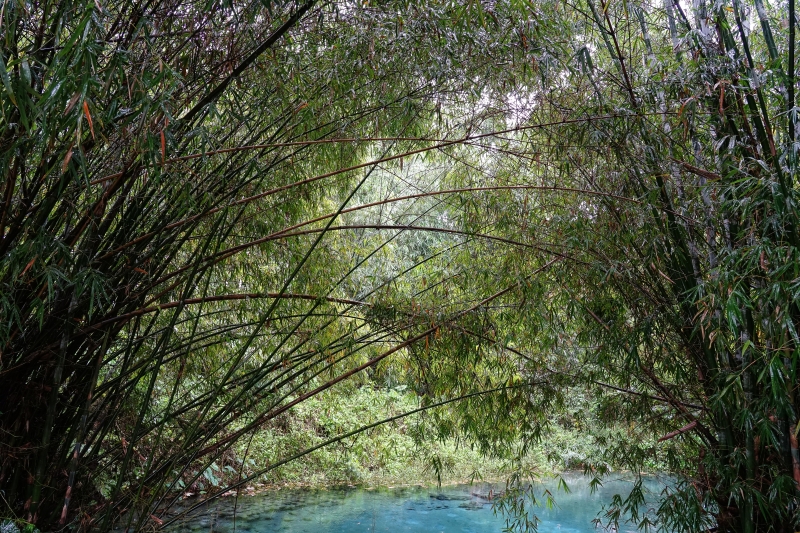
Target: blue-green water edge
point(452, 509)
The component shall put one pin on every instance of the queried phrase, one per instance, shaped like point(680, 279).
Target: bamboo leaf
point(88, 117)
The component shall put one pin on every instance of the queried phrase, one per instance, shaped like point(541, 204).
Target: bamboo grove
point(211, 212)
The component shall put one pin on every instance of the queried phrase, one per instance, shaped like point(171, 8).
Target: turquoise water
point(456, 509)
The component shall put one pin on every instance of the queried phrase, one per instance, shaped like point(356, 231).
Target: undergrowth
point(397, 453)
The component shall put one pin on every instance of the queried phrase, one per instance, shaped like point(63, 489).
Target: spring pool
point(450, 509)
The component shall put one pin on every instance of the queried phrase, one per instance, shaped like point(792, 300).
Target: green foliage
point(385, 455)
point(154, 289)
point(17, 526)
point(579, 220)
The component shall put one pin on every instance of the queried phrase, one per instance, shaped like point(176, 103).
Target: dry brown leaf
point(88, 117)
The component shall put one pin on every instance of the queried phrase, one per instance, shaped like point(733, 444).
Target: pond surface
point(452, 509)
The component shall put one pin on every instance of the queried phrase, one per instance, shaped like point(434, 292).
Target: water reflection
point(456, 509)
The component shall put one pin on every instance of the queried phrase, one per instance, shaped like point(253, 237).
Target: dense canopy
point(213, 211)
